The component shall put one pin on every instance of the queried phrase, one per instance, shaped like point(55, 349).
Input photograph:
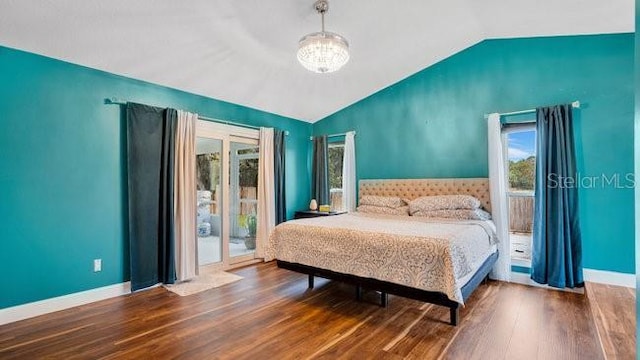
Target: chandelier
point(323, 52)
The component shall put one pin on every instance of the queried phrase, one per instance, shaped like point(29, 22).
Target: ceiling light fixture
point(323, 52)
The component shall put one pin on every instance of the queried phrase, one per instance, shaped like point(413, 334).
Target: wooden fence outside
point(248, 203)
point(248, 200)
point(521, 213)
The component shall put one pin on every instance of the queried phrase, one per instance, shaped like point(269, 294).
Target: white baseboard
point(590, 275)
point(21, 312)
point(610, 278)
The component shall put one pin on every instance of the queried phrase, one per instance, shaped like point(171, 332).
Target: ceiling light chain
point(323, 51)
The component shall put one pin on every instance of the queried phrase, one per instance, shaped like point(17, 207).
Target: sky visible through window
point(522, 145)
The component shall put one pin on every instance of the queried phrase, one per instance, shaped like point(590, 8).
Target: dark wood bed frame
point(386, 288)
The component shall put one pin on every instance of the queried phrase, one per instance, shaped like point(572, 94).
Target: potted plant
point(252, 227)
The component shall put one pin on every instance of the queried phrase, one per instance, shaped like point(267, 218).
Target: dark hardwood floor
point(272, 314)
point(610, 307)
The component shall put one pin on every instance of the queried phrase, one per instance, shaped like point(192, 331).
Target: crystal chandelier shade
point(323, 52)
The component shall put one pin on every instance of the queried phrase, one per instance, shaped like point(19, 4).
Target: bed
point(432, 260)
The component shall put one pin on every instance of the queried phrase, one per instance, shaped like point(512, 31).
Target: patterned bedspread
point(433, 255)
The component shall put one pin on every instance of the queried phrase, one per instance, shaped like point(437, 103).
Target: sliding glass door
point(227, 176)
point(243, 205)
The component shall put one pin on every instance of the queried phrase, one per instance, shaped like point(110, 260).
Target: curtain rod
point(116, 101)
point(575, 105)
point(334, 135)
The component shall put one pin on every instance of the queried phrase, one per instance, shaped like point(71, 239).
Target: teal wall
point(637, 170)
point(62, 173)
point(431, 124)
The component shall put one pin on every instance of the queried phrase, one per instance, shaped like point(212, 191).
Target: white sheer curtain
point(266, 191)
point(498, 189)
point(349, 173)
point(184, 195)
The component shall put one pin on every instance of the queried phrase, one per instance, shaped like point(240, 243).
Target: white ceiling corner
point(244, 51)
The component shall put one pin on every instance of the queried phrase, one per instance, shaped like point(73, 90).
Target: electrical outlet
point(97, 265)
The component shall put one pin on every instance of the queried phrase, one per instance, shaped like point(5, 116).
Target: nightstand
point(310, 214)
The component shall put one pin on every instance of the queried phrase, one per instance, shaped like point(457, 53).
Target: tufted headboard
point(414, 188)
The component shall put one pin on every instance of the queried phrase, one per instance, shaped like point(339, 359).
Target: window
point(521, 168)
point(227, 180)
point(336, 155)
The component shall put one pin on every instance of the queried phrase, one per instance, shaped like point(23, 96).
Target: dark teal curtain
point(278, 169)
point(150, 153)
point(320, 170)
point(557, 246)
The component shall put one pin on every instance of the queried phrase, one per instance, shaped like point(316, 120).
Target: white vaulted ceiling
point(244, 51)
